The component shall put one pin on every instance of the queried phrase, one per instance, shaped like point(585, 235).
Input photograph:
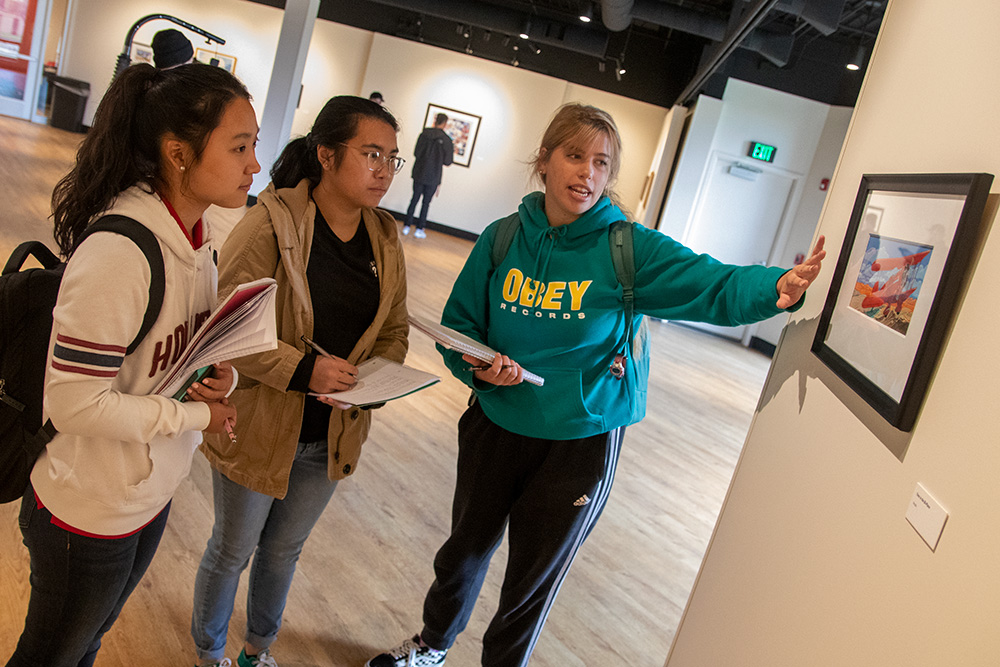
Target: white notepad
point(381, 380)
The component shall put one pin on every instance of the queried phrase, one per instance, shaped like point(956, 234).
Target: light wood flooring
point(362, 577)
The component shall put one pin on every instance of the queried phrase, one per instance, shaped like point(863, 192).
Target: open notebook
point(453, 340)
point(242, 324)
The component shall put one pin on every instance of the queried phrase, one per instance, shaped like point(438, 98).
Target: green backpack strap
point(623, 258)
point(507, 229)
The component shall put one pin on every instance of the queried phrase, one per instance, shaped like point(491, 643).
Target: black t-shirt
point(344, 289)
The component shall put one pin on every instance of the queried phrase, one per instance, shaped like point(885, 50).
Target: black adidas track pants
point(551, 492)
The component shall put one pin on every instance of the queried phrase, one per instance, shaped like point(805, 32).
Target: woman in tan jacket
point(341, 280)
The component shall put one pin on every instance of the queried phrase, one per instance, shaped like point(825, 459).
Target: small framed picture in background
point(141, 53)
point(217, 59)
point(462, 127)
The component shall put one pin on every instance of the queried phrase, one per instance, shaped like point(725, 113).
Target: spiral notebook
point(453, 340)
point(242, 324)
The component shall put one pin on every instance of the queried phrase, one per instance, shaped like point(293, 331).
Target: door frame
point(25, 109)
point(782, 230)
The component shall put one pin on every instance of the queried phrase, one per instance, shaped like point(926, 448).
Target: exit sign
point(759, 151)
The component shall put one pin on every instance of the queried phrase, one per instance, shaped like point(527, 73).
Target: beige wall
point(813, 562)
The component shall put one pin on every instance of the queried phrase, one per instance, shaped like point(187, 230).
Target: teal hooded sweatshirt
point(555, 307)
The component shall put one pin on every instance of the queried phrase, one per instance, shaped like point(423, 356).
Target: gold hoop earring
point(182, 167)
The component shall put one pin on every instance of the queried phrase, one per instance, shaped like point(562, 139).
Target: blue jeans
point(425, 190)
point(78, 586)
point(245, 522)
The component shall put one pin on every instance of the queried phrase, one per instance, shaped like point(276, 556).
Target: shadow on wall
point(795, 356)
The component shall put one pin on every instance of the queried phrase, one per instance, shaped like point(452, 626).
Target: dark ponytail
point(336, 124)
point(122, 148)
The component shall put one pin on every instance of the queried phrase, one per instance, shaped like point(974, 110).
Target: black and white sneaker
point(411, 653)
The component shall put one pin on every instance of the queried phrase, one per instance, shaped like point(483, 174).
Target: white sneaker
point(411, 653)
point(420, 234)
point(406, 230)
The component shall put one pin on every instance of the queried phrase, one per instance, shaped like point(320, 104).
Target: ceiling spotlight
point(587, 13)
point(600, 66)
point(855, 63)
point(487, 35)
point(514, 62)
point(525, 29)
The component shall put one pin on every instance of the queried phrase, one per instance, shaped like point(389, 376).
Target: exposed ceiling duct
point(824, 15)
point(543, 31)
point(619, 14)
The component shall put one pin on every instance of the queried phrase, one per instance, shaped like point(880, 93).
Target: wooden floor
point(364, 572)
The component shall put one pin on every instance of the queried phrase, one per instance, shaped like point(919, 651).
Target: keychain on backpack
point(617, 368)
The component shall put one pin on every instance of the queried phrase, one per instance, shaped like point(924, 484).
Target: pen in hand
point(316, 347)
point(229, 429)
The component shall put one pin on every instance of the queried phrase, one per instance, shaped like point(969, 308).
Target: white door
point(21, 37)
point(738, 216)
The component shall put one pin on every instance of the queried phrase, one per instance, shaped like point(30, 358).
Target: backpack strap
point(507, 229)
point(623, 258)
point(39, 250)
point(146, 240)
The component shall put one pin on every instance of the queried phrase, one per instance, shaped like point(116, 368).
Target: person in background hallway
point(376, 97)
point(171, 49)
point(539, 461)
point(434, 150)
point(341, 279)
point(163, 147)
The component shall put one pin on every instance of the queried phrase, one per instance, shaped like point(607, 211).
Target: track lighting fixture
point(587, 12)
point(525, 29)
point(855, 63)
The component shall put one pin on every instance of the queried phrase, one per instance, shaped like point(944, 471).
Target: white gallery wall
point(515, 104)
point(813, 561)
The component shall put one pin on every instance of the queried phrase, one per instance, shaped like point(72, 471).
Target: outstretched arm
point(793, 284)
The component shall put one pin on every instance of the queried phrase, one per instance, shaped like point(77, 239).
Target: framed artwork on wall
point(894, 289)
point(141, 53)
point(462, 127)
point(227, 63)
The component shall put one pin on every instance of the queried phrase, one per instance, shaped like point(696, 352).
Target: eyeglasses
point(376, 160)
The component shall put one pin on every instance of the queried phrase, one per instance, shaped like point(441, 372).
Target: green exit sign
point(759, 151)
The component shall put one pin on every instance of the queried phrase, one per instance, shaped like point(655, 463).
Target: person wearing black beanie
point(171, 48)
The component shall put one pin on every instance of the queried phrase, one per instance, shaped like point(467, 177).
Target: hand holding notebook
point(453, 340)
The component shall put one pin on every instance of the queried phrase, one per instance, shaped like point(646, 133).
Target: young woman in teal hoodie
point(540, 460)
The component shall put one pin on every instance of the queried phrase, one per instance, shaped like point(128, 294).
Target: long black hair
point(122, 148)
point(336, 124)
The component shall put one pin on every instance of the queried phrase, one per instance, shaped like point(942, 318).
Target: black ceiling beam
point(748, 22)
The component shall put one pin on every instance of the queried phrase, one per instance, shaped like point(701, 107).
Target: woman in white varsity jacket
point(163, 147)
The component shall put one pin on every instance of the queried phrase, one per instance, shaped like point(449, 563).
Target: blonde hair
point(579, 124)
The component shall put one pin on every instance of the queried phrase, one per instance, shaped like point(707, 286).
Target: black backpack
point(26, 302)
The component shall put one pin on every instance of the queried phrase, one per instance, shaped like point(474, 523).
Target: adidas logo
point(582, 500)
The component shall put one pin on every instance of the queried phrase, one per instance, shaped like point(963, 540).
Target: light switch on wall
point(926, 516)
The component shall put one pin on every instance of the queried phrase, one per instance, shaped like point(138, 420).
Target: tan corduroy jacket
point(274, 240)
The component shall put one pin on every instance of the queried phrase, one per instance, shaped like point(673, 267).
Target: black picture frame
point(893, 294)
point(462, 127)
